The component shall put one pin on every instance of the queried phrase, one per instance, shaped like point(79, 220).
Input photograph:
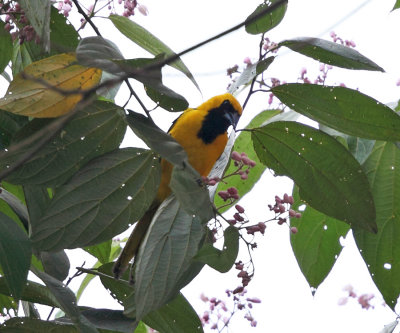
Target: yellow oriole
point(202, 132)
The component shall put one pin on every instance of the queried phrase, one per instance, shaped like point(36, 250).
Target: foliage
point(67, 183)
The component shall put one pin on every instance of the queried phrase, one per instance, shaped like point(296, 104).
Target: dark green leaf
point(149, 42)
point(17, 206)
point(329, 177)
point(6, 47)
point(243, 143)
point(9, 125)
point(7, 304)
point(316, 245)
point(177, 316)
point(95, 51)
point(101, 251)
point(99, 201)
point(33, 292)
point(119, 289)
point(331, 53)
point(167, 98)
point(37, 200)
point(249, 73)
point(266, 21)
point(112, 320)
point(166, 253)
point(94, 131)
point(67, 301)
point(30, 325)
point(56, 264)
point(381, 252)
point(343, 109)
point(63, 37)
point(38, 14)
point(15, 255)
point(223, 260)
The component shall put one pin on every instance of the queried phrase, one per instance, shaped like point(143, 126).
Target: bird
point(203, 134)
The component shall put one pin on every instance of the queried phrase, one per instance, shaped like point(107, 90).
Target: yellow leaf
point(30, 98)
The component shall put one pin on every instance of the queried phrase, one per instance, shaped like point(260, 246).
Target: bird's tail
point(132, 246)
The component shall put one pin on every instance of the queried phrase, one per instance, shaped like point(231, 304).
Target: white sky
point(287, 304)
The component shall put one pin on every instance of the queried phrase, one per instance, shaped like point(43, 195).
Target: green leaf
point(360, 148)
point(7, 304)
point(268, 19)
point(249, 73)
point(329, 177)
point(113, 320)
point(381, 252)
point(142, 69)
point(343, 109)
point(316, 245)
point(243, 143)
point(101, 251)
point(31, 325)
point(99, 201)
point(9, 126)
point(33, 292)
point(166, 253)
point(56, 264)
point(15, 255)
point(63, 37)
point(331, 53)
point(17, 206)
point(141, 328)
point(67, 301)
point(38, 14)
point(149, 42)
point(6, 47)
point(177, 316)
point(94, 131)
point(223, 260)
point(396, 5)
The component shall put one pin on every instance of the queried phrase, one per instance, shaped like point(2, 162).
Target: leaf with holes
point(329, 177)
point(31, 98)
point(331, 53)
point(99, 201)
point(381, 251)
point(343, 109)
point(94, 131)
point(316, 245)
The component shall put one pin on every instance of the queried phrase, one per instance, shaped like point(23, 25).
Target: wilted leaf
point(223, 260)
point(329, 177)
point(268, 20)
point(381, 251)
point(343, 109)
point(166, 253)
point(316, 245)
point(149, 42)
point(99, 201)
point(94, 131)
point(331, 53)
point(177, 316)
point(15, 255)
point(30, 98)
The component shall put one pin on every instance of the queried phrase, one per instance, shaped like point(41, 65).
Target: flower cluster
point(218, 316)
point(364, 299)
point(16, 22)
point(337, 39)
point(282, 206)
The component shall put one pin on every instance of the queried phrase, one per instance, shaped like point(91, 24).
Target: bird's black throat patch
point(215, 122)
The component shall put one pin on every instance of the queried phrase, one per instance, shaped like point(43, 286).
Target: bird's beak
point(233, 118)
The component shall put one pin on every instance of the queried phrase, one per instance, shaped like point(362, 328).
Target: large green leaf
point(99, 201)
point(266, 21)
point(165, 255)
point(221, 260)
point(94, 131)
point(343, 109)
point(330, 53)
point(243, 143)
point(316, 245)
point(31, 325)
point(15, 255)
point(33, 292)
point(6, 47)
point(329, 177)
point(149, 42)
point(381, 252)
point(177, 316)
